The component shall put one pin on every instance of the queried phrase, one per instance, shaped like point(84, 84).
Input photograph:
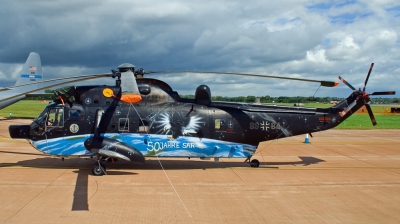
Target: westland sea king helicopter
point(144, 117)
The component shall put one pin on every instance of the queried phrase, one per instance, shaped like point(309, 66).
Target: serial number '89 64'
point(264, 125)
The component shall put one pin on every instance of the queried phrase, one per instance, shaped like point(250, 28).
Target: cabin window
point(75, 114)
point(220, 125)
point(55, 117)
point(144, 126)
point(123, 124)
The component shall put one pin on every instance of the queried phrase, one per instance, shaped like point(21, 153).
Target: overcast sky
point(293, 38)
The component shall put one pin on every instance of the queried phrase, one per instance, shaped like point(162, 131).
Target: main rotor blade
point(369, 73)
point(75, 79)
point(383, 93)
point(78, 78)
point(347, 84)
point(371, 115)
point(323, 83)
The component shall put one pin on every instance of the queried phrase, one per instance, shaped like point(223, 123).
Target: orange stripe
point(61, 100)
point(131, 98)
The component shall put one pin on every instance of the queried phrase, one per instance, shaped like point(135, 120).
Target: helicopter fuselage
point(90, 120)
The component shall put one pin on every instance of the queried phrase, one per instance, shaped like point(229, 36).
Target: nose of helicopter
point(19, 131)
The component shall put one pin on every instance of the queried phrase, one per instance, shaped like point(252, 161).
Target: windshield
point(51, 117)
point(55, 117)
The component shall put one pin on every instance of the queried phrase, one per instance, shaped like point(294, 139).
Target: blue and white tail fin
point(32, 70)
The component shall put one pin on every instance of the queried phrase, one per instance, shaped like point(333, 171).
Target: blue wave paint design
point(150, 145)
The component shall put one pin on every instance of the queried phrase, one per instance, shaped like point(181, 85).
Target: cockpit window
point(51, 118)
point(123, 124)
point(55, 117)
point(42, 117)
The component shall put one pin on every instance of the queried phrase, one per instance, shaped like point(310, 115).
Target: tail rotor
point(366, 78)
point(363, 95)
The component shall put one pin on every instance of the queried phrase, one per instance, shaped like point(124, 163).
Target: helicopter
point(144, 117)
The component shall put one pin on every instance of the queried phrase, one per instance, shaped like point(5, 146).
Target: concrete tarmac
point(342, 176)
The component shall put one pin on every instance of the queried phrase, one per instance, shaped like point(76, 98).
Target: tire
point(254, 163)
point(97, 170)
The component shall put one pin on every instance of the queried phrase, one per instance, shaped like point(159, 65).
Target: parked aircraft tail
point(32, 71)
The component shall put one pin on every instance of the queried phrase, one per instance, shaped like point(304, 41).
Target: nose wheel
point(99, 169)
point(255, 163)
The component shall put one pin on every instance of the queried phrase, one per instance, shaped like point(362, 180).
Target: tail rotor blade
point(345, 82)
point(371, 115)
point(383, 93)
point(369, 73)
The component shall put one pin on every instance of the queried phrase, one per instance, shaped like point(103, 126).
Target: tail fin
point(32, 70)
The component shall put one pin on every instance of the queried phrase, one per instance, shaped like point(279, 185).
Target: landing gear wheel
point(98, 170)
point(254, 163)
point(103, 166)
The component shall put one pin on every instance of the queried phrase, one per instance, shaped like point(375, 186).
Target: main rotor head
point(126, 67)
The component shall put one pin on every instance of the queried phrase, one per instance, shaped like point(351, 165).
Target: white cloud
point(274, 24)
point(383, 39)
point(288, 38)
point(346, 49)
point(317, 56)
point(10, 72)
